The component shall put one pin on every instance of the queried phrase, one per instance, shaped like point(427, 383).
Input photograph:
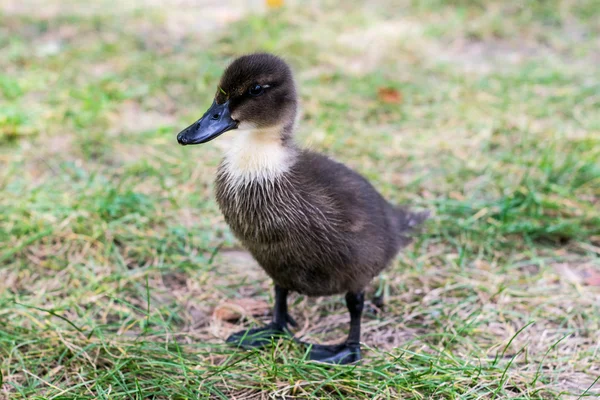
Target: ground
point(119, 278)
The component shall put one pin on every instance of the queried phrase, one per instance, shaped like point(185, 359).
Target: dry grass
point(114, 257)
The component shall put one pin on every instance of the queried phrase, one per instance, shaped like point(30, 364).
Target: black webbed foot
point(349, 351)
point(379, 303)
point(382, 293)
point(264, 336)
point(343, 353)
point(258, 337)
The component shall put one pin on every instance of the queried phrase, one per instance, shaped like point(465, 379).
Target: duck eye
point(256, 90)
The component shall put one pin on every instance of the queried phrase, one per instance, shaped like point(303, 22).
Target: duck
point(315, 226)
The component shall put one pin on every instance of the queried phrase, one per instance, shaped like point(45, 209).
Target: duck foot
point(264, 336)
point(258, 337)
point(343, 353)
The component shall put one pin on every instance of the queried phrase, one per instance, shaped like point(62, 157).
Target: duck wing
point(357, 206)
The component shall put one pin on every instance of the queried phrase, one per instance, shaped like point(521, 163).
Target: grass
point(114, 256)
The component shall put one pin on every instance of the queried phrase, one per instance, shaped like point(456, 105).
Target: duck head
point(256, 92)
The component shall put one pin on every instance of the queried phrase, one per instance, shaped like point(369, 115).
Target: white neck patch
point(256, 155)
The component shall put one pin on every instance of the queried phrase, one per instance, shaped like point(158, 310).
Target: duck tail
point(406, 221)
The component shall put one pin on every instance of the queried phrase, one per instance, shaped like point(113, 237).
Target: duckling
point(314, 225)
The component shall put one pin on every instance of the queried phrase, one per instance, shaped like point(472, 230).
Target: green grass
point(113, 254)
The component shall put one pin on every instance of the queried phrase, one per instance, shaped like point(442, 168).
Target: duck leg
point(261, 337)
point(349, 351)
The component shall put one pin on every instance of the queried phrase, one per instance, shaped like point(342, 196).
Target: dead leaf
point(389, 95)
point(456, 196)
point(233, 310)
point(568, 274)
point(274, 3)
point(198, 316)
point(592, 278)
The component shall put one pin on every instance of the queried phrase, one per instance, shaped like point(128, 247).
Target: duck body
point(315, 226)
point(318, 228)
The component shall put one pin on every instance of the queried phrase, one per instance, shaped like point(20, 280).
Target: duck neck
point(260, 154)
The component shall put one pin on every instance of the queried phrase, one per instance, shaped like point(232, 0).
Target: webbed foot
point(264, 336)
point(258, 337)
point(343, 353)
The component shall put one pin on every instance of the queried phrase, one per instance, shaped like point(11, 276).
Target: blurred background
point(120, 279)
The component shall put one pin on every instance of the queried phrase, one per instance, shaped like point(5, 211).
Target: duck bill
point(215, 121)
